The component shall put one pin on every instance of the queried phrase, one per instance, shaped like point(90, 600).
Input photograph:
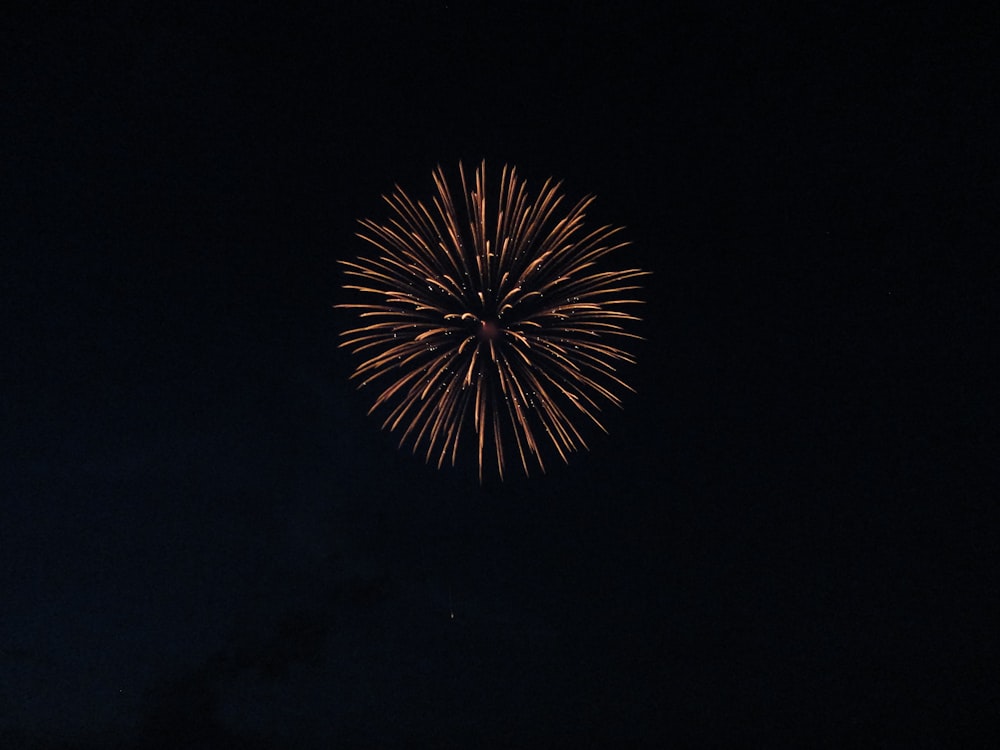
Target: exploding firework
point(495, 324)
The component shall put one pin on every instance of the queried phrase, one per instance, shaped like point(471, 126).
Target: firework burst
point(494, 324)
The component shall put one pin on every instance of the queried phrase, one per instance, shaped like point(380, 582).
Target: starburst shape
point(490, 321)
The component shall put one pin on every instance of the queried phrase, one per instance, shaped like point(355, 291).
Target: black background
point(205, 542)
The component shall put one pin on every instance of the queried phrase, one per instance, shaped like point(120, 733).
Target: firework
point(494, 324)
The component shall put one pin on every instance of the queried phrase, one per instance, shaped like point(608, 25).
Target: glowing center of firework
point(489, 329)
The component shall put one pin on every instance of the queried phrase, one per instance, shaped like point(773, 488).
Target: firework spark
point(498, 319)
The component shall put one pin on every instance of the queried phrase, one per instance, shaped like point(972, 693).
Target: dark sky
point(204, 540)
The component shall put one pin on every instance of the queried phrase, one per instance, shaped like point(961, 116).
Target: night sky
point(205, 542)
